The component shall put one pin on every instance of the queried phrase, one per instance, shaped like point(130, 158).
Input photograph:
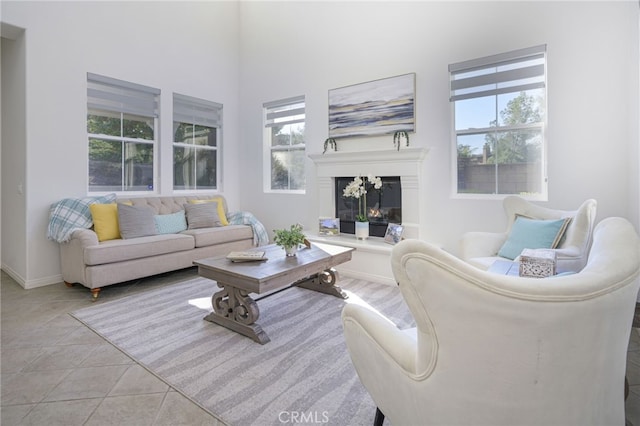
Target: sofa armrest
point(72, 255)
point(85, 237)
point(481, 244)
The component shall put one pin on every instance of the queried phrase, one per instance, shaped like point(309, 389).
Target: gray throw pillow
point(136, 221)
point(203, 215)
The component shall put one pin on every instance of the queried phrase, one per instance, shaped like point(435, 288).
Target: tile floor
point(55, 371)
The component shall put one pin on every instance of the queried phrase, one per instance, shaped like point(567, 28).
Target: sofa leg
point(379, 419)
point(94, 293)
point(69, 284)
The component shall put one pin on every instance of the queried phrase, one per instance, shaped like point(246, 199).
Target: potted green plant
point(289, 239)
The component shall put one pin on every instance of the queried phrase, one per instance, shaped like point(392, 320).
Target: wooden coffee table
point(233, 308)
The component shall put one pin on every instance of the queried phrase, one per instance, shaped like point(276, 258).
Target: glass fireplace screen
point(384, 206)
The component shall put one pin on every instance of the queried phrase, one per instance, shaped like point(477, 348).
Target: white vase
point(291, 251)
point(362, 230)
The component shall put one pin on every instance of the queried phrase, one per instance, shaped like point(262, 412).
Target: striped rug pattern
point(305, 371)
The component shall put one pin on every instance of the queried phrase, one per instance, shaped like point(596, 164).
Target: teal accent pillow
point(533, 234)
point(171, 223)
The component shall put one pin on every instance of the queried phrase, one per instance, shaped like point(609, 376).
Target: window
point(121, 127)
point(499, 113)
point(285, 148)
point(196, 133)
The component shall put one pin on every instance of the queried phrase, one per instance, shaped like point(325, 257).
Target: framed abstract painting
point(377, 107)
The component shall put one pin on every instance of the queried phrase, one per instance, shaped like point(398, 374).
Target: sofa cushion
point(171, 223)
point(210, 236)
point(203, 215)
point(105, 221)
point(121, 250)
point(135, 221)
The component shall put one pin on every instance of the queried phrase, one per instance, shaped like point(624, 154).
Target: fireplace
point(384, 206)
point(405, 165)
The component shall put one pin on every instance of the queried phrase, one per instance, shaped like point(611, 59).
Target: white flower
point(355, 188)
point(358, 188)
point(375, 181)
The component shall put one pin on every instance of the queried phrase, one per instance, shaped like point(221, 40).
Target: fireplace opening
point(384, 206)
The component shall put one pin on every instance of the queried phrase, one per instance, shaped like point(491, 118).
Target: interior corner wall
point(320, 46)
point(13, 159)
point(184, 47)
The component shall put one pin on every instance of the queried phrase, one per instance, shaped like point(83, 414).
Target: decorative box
point(537, 263)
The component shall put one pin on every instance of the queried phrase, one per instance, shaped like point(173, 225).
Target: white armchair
point(481, 248)
point(494, 350)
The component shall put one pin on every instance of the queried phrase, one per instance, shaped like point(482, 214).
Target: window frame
point(197, 112)
point(272, 112)
point(112, 96)
point(512, 57)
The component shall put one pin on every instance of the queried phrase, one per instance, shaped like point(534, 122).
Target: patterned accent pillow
point(136, 221)
point(203, 215)
point(171, 223)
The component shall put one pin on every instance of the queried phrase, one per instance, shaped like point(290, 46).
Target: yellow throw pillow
point(105, 221)
point(220, 203)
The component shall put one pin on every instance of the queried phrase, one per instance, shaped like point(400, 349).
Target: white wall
point(190, 49)
point(245, 53)
point(13, 169)
point(307, 48)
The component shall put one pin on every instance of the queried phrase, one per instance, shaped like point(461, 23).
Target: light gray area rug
point(305, 370)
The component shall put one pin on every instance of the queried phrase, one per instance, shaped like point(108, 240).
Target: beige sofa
point(95, 264)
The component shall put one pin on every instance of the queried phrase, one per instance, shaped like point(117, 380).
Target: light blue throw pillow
point(533, 234)
point(171, 223)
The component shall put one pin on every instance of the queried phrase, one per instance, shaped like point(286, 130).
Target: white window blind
point(286, 111)
point(515, 71)
point(499, 116)
point(187, 109)
point(110, 94)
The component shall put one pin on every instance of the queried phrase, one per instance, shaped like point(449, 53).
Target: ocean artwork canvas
point(377, 107)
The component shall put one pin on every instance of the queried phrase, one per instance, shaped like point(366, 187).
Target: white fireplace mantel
point(380, 163)
point(406, 163)
point(371, 258)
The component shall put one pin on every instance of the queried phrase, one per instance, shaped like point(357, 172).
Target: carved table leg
point(325, 282)
point(236, 310)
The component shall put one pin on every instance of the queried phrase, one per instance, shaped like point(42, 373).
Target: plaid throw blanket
point(69, 214)
point(260, 235)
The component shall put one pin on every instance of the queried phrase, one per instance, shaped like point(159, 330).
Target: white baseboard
point(13, 274)
point(29, 284)
point(352, 273)
point(41, 282)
